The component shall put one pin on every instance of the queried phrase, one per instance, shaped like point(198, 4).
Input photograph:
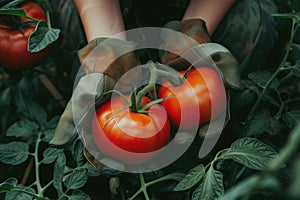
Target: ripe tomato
point(13, 42)
point(201, 92)
point(129, 136)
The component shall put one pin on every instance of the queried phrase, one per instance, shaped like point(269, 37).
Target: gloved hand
point(196, 34)
point(196, 37)
point(103, 62)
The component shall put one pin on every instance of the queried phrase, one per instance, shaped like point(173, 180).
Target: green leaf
point(90, 169)
point(251, 153)
point(51, 154)
point(262, 77)
point(14, 153)
point(246, 97)
point(294, 188)
point(50, 127)
point(191, 179)
point(8, 184)
point(11, 4)
point(42, 37)
point(211, 187)
point(52, 124)
point(48, 135)
point(20, 193)
point(59, 169)
point(31, 109)
point(13, 11)
point(262, 122)
point(77, 152)
point(22, 128)
point(291, 118)
point(79, 195)
point(76, 179)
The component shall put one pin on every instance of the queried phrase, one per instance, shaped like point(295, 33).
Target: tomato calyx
point(136, 98)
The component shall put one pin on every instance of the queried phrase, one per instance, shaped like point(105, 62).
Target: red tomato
point(13, 43)
point(202, 89)
point(129, 136)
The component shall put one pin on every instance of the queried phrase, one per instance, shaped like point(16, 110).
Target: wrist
point(101, 18)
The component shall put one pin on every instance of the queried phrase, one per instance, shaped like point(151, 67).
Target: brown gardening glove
point(190, 39)
point(103, 62)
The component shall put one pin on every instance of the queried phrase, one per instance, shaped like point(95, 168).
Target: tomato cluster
point(133, 137)
point(14, 35)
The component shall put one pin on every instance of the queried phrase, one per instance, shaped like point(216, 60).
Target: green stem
point(274, 75)
point(48, 19)
point(174, 78)
point(143, 189)
point(37, 166)
point(45, 188)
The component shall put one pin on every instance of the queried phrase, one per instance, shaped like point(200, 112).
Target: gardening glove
point(195, 42)
point(195, 34)
point(103, 62)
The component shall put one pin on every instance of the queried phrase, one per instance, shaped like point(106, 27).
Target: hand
point(103, 62)
point(195, 35)
point(193, 39)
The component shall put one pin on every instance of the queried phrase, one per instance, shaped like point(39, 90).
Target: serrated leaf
point(21, 128)
point(14, 153)
point(291, 118)
point(19, 193)
point(90, 169)
point(191, 179)
point(77, 152)
point(251, 153)
point(79, 195)
point(58, 173)
point(8, 184)
point(51, 154)
point(42, 37)
point(31, 109)
point(48, 135)
point(273, 126)
point(52, 124)
point(246, 97)
point(257, 123)
point(76, 179)
point(262, 77)
point(262, 122)
point(211, 187)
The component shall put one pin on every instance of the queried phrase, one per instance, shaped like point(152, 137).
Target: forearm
point(101, 18)
point(211, 11)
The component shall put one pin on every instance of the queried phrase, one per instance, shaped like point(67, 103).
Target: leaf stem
point(274, 75)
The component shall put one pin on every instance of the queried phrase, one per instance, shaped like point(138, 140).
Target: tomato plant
point(14, 35)
point(203, 90)
point(116, 129)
